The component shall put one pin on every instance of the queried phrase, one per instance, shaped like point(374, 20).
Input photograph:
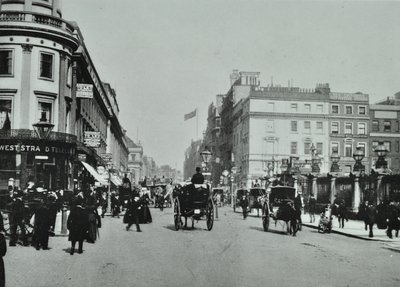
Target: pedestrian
point(78, 225)
point(363, 214)
point(298, 206)
point(132, 213)
point(17, 219)
point(342, 213)
point(3, 251)
point(311, 207)
point(244, 203)
point(103, 203)
point(392, 219)
point(43, 218)
point(94, 217)
point(370, 217)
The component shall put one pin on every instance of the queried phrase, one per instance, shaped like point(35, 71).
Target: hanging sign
point(84, 91)
point(92, 139)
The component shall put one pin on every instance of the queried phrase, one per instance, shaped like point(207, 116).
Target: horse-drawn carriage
point(193, 201)
point(278, 206)
point(254, 198)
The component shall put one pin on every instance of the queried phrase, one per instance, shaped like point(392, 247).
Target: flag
point(191, 115)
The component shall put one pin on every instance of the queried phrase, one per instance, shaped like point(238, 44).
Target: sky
point(166, 58)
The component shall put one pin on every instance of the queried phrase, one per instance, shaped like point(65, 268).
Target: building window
point(307, 147)
point(375, 126)
point(5, 114)
point(334, 147)
point(335, 128)
point(362, 110)
point(362, 129)
point(6, 62)
point(293, 108)
point(320, 148)
point(348, 128)
point(348, 150)
point(388, 146)
point(46, 66)
point(335, 109)
point(320, 109)
point(374, 145)
point(218, 122)
point(387, 127)
point(397, 146)
point(45, 107)
point(293, 126)
point(307, 108)
point(307, 127)
point(320, 127)
point(349, 110)
point(363, 147)
point(293, 147)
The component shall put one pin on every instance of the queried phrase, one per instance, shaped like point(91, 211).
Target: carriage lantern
point(335, 158)
point(43, 127)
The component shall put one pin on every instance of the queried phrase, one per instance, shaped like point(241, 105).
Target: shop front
point(48, 163)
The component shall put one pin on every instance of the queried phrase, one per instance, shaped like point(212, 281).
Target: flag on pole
point(190, 115)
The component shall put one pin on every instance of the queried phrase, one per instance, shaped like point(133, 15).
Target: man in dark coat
point(198, 177)
point(132, 212)
point(244, 203)
point(17, 218)
point(393, 218)
point(371, 218)
point(78, 225)
point(42, 226)
point(298, 205)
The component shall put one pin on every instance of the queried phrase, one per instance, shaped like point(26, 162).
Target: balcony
point(37, 23)
point(22, 134)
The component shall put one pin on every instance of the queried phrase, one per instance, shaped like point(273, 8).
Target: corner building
point(36, 47)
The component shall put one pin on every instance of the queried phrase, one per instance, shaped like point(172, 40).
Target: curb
point(348, 234)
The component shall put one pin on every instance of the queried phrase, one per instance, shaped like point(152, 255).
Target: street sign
point(92, 139)
point(84, 91)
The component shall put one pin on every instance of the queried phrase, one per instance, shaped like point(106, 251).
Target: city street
point(235, 252)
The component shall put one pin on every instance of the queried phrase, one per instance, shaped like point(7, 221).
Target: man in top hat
point(198, 177)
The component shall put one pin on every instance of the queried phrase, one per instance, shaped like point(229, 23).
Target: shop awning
point(116, 180)
point(94, 173)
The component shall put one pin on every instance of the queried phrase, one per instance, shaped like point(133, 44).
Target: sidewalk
point(352, 228)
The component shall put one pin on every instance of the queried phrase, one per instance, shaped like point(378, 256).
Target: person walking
point(392, 219)
point(298, 206)
point(363, 214)
point(370, 218)
point(132, 212)
point(78, 225)
point(244, 203)
point(311, 207)
point(17, 219)
point(43, 218)
point(342, 213)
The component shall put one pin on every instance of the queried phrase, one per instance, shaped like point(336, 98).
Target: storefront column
point(333, 189)
point(379, 191)
point(25, 86)
point(356, 194)
point(315, 187)
point(295, 185)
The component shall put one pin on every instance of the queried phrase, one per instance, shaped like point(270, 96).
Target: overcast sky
point(167, 57)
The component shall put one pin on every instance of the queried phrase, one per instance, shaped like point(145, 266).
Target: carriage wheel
point(210, 215)
point(177, 214)
point(265, 218)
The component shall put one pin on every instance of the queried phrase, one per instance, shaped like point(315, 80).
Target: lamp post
point(358, 156)
point(284, 169)
point(381, 151)
point(335, 158)
point(314, 160)
point(43, 127)
point(206, 156)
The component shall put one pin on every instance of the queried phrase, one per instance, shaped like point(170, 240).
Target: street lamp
point(206, 155)
point(314, 159)
point(358, 156)
point(43, 127)
point(381, 151)
point(335, 158)
point(284, 169)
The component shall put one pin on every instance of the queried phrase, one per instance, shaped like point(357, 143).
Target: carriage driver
point(198, 177)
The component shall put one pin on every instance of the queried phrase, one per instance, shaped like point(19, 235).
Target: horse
point(287, 213)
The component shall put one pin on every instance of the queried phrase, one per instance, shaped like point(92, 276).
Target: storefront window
point(5, 114)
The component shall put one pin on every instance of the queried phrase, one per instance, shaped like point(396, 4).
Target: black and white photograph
point(175, 143)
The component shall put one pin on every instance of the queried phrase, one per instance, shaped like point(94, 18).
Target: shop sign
point(36, 148)
point(92, 139)
point(81, 157)
point(84, 91)
point(107, 158)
